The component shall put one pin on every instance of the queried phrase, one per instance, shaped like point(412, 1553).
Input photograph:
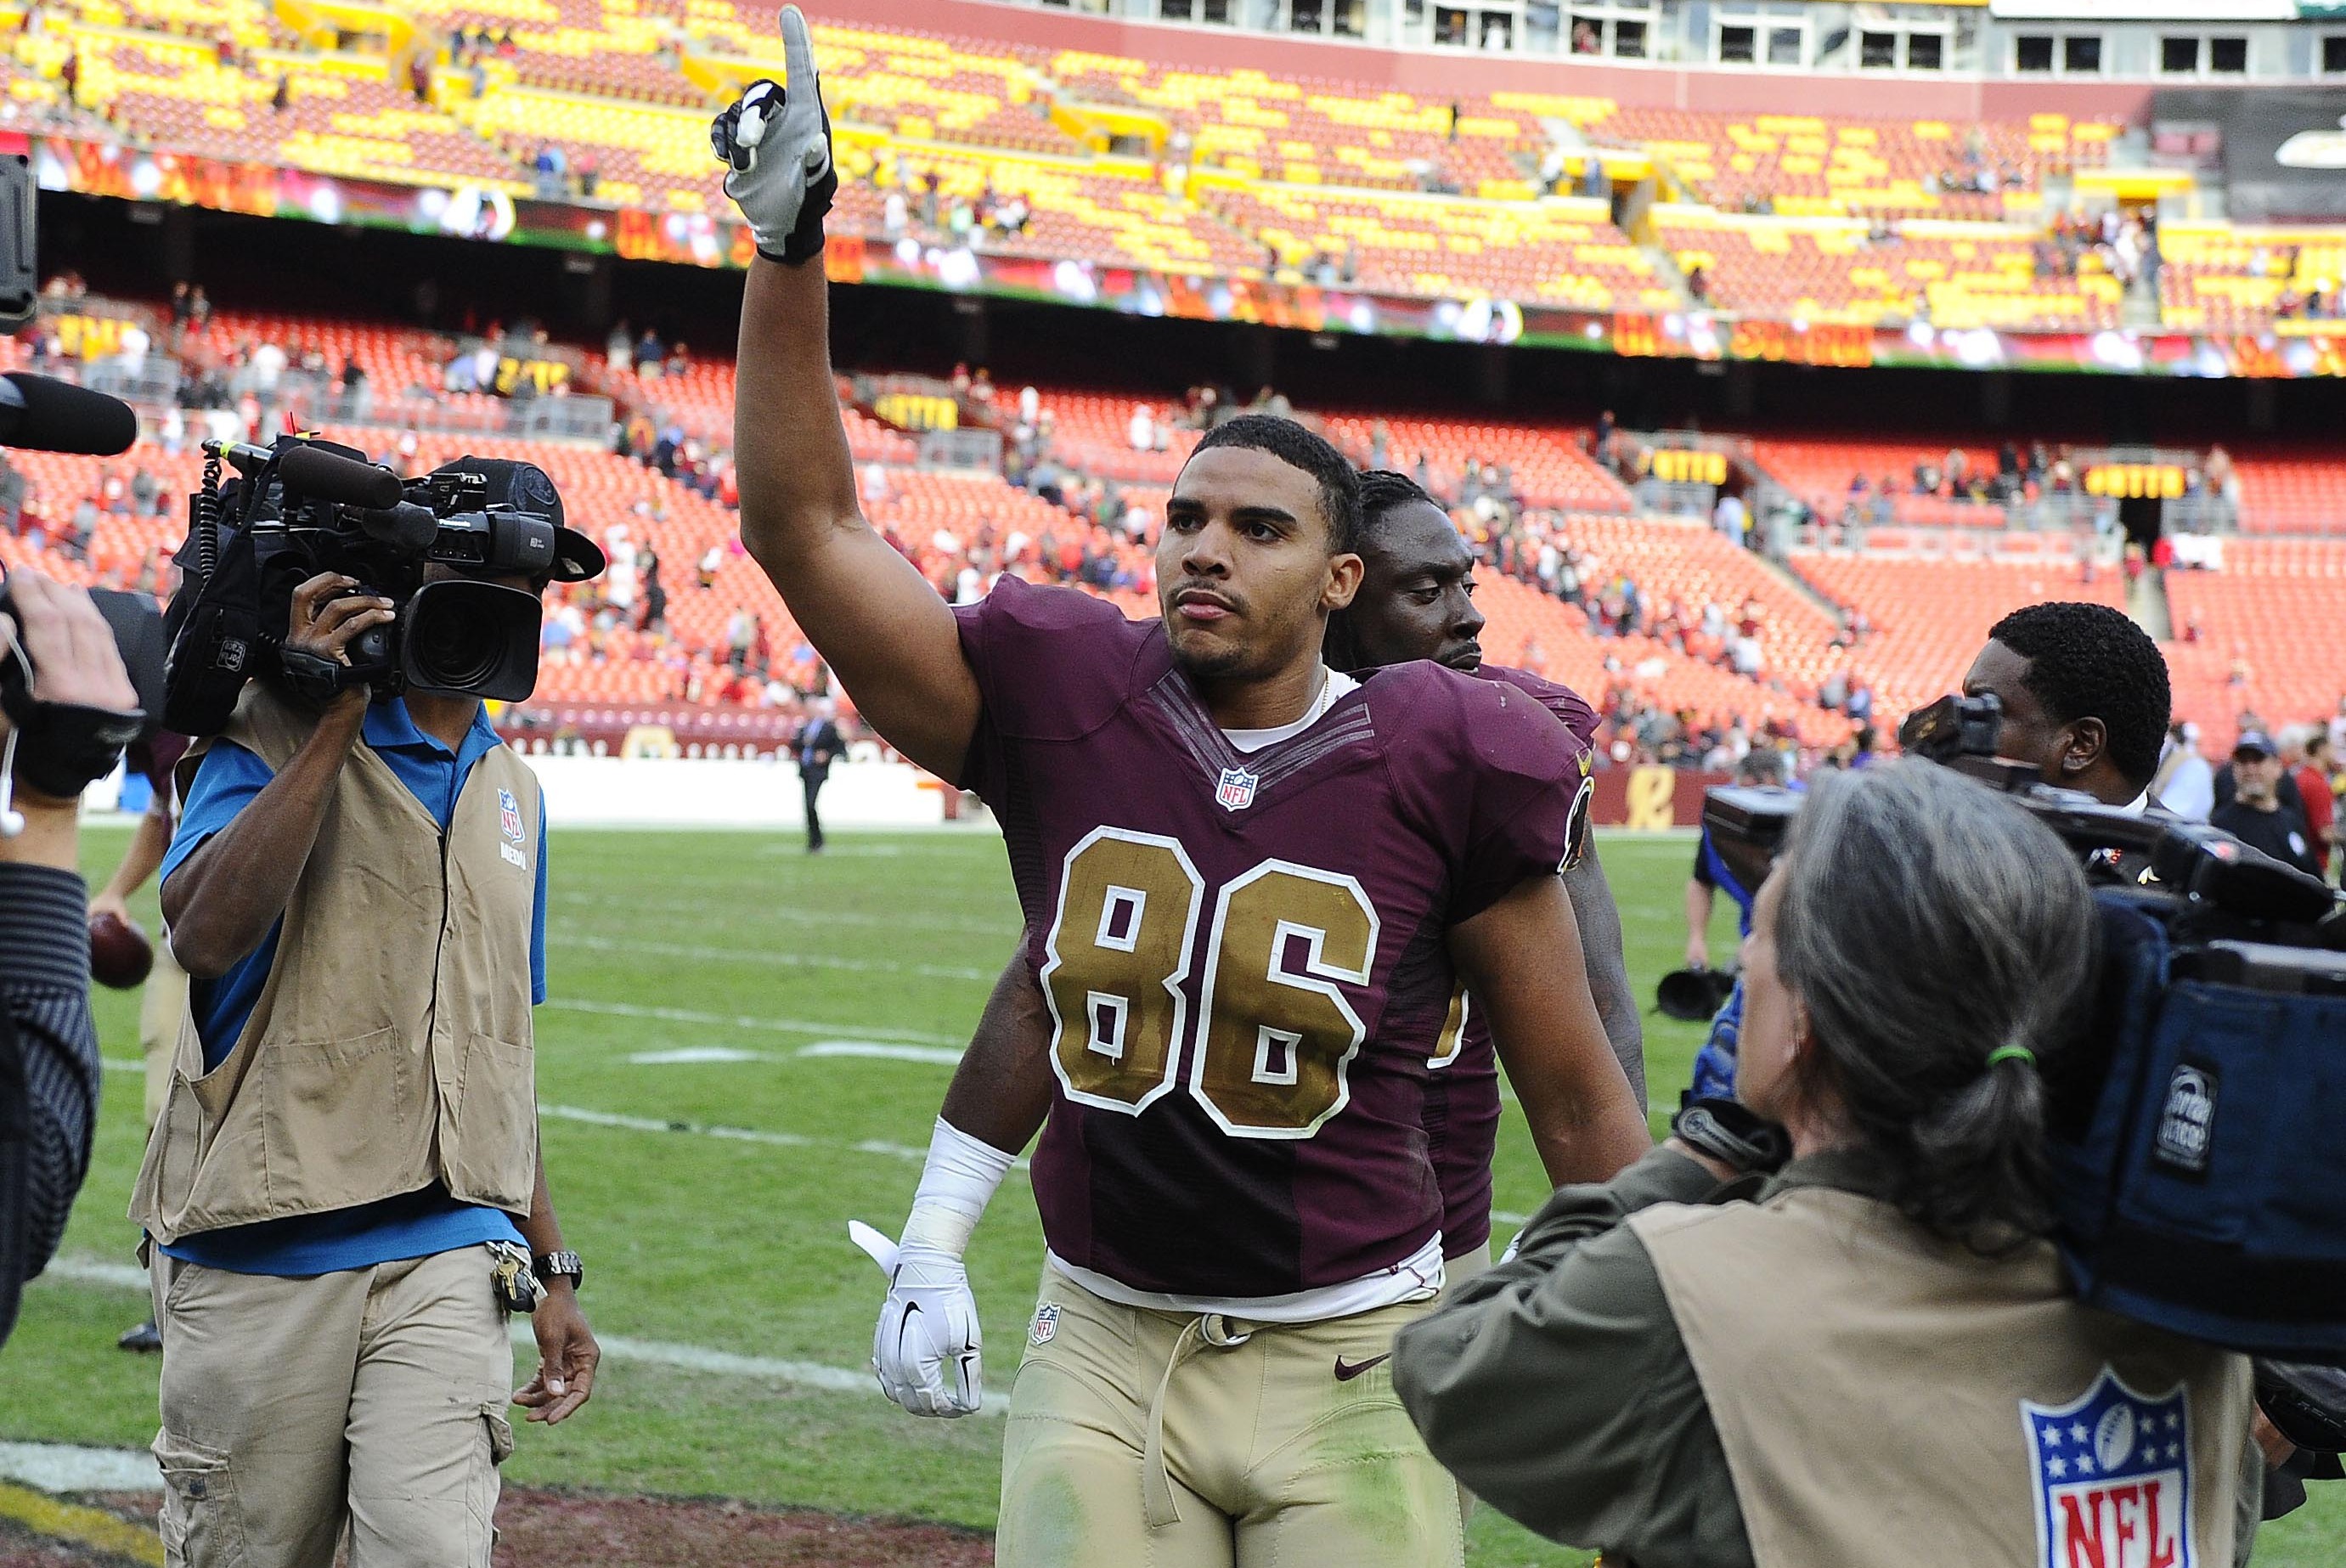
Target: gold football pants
point(1159, 1440)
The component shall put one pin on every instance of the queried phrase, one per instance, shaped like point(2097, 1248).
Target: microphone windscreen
point(59, 416)
point(323, 476)
point(406, 527)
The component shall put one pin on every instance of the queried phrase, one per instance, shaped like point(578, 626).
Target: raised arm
point(879, 626)
point(221, 899)
point(1521, 959)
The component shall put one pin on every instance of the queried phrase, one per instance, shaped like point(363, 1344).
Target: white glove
point(926, 1348)
point(777, 146)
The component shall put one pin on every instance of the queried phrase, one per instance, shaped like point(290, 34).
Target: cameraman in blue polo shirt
point(343, 1194)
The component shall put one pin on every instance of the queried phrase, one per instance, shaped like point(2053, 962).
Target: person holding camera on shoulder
point(1871, 1355)
point(344, 1196)
point(67, 707)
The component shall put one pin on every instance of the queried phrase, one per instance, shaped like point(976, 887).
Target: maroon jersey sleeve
point(1566, 704)
point(1576, 716)
point(156, 756)
point(1495, 779)
point(1052, 665)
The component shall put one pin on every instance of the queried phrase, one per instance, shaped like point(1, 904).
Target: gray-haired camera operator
point(57, 730)
point(1870, 1355)
point(344, 1196)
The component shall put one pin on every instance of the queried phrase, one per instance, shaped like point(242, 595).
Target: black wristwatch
point(1728, 1131)
point(565, 1265)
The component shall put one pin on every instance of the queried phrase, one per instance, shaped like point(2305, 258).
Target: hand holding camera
point(67, 706)
point(328, 613)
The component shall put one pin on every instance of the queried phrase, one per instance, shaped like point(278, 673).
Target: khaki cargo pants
point(1140, 1439)
point(369, 1404)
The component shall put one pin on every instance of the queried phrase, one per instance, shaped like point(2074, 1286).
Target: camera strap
point(58, 748)
point(314, 676)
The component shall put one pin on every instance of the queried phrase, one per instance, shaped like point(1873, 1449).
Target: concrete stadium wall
point(654, 791)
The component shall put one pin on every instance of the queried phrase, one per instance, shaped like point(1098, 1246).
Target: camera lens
point(455, 650)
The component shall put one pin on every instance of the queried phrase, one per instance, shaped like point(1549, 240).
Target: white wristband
point(957, 1181)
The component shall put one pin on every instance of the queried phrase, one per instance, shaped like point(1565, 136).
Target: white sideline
point(23, 1461)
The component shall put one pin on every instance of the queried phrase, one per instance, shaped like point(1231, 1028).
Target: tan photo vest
point(1885, 1399)
point(390, 1045)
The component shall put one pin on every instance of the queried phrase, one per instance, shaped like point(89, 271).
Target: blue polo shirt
point(414, 1224)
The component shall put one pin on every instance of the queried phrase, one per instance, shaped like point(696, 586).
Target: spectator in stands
point(650, 355)
point(655, 615)
point(2304, 753)
point(2257, 815)
point(619, 581)
point(589, 170)
point(267, 367)
point(282, 98)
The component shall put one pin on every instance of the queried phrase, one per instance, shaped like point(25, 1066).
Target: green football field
point(744, 1049)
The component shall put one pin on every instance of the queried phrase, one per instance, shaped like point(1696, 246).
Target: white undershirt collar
point(1333, 685)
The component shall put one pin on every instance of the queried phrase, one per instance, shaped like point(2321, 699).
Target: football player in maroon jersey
point(1415, 601)
point(1252, 886)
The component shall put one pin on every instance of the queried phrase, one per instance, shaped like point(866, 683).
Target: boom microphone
point(324, 476)
point(45, 415)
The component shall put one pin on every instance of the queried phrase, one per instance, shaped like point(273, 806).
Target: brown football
point(119, 953)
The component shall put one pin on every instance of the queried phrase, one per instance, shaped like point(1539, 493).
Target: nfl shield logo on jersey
point(2113, 1478)
point(1236, 791)
point(509, 815)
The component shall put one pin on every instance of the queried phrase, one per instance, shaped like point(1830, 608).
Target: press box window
point(1926, 52)
point(2032, 51)
point(2082, 56)
point(2333, 54)
point(2227, 56)
point(1877, 51)
point(2178, 57)
point(1739, 46)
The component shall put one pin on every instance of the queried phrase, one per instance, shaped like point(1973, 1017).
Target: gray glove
point(777, 146)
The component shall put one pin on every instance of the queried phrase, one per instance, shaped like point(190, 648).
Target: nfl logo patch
point(509, 815)
point(1045, 1326)
point(1236, 791)
point(2113, 1476)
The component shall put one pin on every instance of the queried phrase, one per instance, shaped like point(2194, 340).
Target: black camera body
point(2193, 1116)
point(307, 508)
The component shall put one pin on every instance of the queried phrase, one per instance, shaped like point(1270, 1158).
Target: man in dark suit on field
point(818, 745)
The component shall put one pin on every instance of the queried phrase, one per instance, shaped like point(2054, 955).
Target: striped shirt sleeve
point(45, 986)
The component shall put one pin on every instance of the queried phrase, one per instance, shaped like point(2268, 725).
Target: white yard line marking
point(731, 1134)
point(58, 1467)
point(120, 1065)
point(97, 1271)
point(936, 1055)
point(741, 1021)
point(758, 1135)
point(826, 918)
point(782, 959)
point(66, 1467)
point(1501, 1216)
point(696, 1055)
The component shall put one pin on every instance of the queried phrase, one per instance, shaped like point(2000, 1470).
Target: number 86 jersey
point(1244, 954)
